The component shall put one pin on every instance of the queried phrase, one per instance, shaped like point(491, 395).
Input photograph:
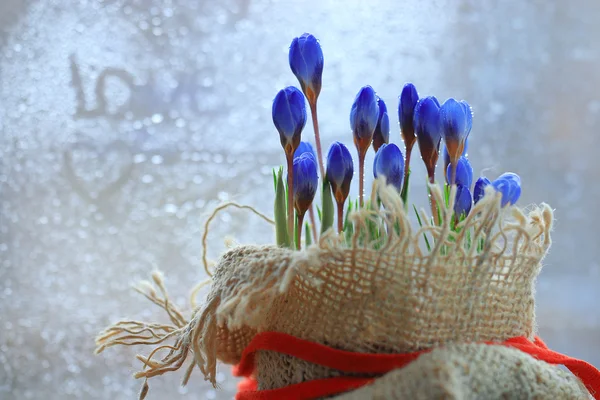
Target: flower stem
point(315, 121)
point(453, 173)
point(434, 206)
point(404, 194)
point(313, 222)
point(340, 216)
point(299, 230)
point(290, 205)
point(361, 177)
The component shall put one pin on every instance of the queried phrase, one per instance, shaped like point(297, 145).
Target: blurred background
point(125, 122)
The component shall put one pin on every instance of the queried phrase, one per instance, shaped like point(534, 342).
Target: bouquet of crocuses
point(421, 120)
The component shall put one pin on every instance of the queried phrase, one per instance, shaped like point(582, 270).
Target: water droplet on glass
point(147, 178)
point(157, 118)
point(170, 208)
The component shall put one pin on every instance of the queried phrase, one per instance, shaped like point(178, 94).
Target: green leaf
point(281, 231)
point(447, 189)
point(418, 216)
point(307, 235)
point(421, 224)
point(348, 227)
point(404, 193)
point(374, 229)
point(319, 213)
point(348, 211)
point(480, 245)
point(328, 211)
point(274, 180)
point(348, 232)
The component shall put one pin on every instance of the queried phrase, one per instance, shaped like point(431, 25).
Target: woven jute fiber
point(473, 372)
point(375, 295)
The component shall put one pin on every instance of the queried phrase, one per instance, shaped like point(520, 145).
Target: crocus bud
point(340, 170)
point(509, 185)
point(406, 110)
point(427, 128)
point(464, 173)
point(389, 163)
point(462, 205)
point(469, 114)
point(479, 189)
point(289, 117)
point(456, 122)
point(306, 181)
point(447, 159)
point(382, 130)
point(305, 147)
point(363, 118)
point(306, 62)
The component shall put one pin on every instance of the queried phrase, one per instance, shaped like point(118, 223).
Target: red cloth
point(370, 364)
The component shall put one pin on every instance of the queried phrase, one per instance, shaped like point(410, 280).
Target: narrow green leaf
point(348, 227)
point(397, 227)
point(328, 211)
point(418, 216)
point(404, 193)
point(307, 235)
point(447, 189)
point(274, 180)
point(281, 231)
point(348, 232)
point(319, 213)
point(421, 224)
point(348, 211)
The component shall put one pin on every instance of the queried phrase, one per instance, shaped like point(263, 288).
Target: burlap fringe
point(507, 232)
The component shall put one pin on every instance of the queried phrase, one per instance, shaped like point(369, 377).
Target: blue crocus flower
point(406, 110)
point(289, 117)
point(340, 170)
point(447, 159)
point(363, 118)
point(305, 147)
point(382, 130)
point(427, 128)
point(306, 62)
point(306, 181)
point(456, 122)
point(389, 163)
point(464, 172)
point(509, 185)
point(479, 189)
point(463, 203)
point(469, 114)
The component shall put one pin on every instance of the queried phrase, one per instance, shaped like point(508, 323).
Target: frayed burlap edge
point(235, 309)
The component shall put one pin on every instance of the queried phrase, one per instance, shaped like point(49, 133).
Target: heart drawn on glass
point(98, 171)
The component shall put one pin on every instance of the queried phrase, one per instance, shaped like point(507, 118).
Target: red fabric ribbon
point(370, 364)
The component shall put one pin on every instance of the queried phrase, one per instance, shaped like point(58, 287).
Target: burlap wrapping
point(376, 296)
